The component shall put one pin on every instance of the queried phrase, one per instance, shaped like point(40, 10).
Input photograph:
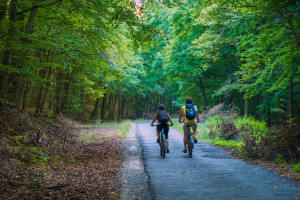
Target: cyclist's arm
point(180, 116)
point(170, 119)
point(154, 119)
point(197, 117)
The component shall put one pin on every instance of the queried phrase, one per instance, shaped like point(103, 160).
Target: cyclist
point(163, 117)
point(187, 121)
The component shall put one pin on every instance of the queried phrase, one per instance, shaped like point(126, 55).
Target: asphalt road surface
point(210, 174)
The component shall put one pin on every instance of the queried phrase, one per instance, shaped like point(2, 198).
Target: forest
point(111, 60)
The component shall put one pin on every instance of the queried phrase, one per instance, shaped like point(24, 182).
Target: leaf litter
point(69, 161)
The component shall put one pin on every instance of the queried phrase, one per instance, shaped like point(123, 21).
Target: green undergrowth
point(250, 139)
point(27, 153)
point(228, 131)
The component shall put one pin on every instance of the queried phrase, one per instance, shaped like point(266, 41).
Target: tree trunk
point(121, 108)
point(202, 88)
point(114, 107)
point(3, 8)
point(259, 102)
point(111, 107)
point(58, 92)
point(156, 103)
point(291, 99)
point(67, 90)
point(102, 116)
point(44, 96)
point(30, 21)
point(269, 114)
point(148, 101)
point(50, 101)
point(230, 98)
point(26, 88)
point(95, 110)
point(19, 91)
point(246, 107)
point(108, 107)
point(41, 92)
point(135, 112)
point(7, 52)
point(82, 102)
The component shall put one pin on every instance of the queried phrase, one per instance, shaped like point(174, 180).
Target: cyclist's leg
point(195, 131)
point(166, 132)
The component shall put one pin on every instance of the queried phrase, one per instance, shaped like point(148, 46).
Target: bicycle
point(162, 143)
point(190, 141)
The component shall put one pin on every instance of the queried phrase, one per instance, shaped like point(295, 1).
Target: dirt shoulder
point(87, 165)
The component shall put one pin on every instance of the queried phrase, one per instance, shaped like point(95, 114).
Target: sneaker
point(195, 140)
point(157, 141)
point(168, 151)
point(184, 151)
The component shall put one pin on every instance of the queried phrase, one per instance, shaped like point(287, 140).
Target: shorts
point(186, 129)
point(165, 127)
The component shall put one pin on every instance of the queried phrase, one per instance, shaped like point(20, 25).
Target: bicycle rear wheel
point(162, 145)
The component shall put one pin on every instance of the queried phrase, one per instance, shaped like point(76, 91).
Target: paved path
point(210, 174)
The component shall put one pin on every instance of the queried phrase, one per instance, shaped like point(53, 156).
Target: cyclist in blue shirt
point(187, 122)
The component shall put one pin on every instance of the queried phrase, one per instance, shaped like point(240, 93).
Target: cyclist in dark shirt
point(163, 117)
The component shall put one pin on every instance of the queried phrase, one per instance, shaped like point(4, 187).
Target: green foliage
point(211, 126)
point(231, 144)
point(279, 160)
point(36, 155)
point(21, 139)
point(296, 167)
point(216, 51)
point(249, 125)
point(52, 115)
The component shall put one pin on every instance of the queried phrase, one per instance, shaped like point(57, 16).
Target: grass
point(88, 137)
point(122, 127)
point(177, 126)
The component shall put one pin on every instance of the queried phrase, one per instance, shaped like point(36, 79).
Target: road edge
point(135, 181)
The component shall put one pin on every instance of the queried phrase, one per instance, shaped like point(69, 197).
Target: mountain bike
point(162, 143)
point(190, 141)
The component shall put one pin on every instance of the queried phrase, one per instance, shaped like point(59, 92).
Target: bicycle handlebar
point(157, 125)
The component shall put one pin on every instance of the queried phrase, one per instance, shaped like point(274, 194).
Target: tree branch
point(38, 6)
